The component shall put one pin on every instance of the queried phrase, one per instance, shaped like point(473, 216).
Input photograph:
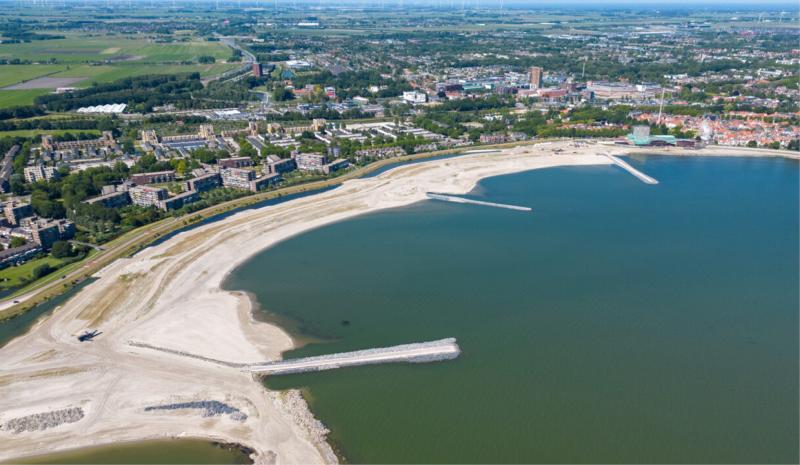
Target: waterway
point(183, 451)
point(619, 322)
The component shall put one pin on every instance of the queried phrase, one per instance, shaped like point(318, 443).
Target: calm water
point(619, 322)
point(13, 327)
point(147, 452)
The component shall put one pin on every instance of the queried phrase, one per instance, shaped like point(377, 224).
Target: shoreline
point(241, 448)
point(171, 295)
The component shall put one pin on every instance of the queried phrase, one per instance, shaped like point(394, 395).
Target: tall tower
point(536, 77)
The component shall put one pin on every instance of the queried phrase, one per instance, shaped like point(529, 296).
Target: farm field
point(12, 74)
point(99, 58)
point(110, 48)
point(15, 74)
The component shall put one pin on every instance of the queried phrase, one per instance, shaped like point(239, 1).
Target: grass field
point(109, 73)
point(13, 275)
point(101, 48)
point(13, 98)
point(12, 74)
point(102, 58)
point(52, 132)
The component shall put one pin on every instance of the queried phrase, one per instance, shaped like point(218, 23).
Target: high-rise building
point(258, 70)
point(536, 77)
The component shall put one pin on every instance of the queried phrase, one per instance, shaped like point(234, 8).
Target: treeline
point(27, 111)
point(140, 93)
point(101, 124)
point(17, 32)
point(487, 103)
point(353, 83)
point(325, 113)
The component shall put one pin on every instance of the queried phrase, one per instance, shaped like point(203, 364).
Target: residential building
point(237, 178)
point(112, 199)
point(152, 178)
point(39, 173)
point(235, 162)
point(177, 201)
point(415, 97)
point(13, 256)
point(281, 166)
point(46, 232)
point(15, 211)
point(335, 165)
point(204, 183)
point(147, 196)
point(536, 74)
point(310, 161)
point(264, 181)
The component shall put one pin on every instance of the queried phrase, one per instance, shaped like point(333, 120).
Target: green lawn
point(14, 98)
point(13, 275)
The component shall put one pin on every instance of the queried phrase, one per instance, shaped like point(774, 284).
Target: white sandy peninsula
point(168, 297)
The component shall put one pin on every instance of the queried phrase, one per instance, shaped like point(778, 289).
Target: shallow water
point(618, 322)
point(146, 452)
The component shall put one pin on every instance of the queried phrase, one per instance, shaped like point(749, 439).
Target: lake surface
point(618, 322)
point(188, 451)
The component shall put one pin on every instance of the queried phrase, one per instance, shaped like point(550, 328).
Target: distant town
point(130, 124)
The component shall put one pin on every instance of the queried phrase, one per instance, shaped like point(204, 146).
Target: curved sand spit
point(169, 297)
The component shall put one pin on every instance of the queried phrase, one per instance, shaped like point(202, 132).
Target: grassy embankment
point(14, 276)
point(133, 241)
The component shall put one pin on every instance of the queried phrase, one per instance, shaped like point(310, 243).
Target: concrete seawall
point(433, 351)
point(456, 199)
point(624, 165)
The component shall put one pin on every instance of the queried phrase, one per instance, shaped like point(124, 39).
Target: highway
point(444, 349)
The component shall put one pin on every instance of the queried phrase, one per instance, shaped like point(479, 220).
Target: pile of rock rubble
point(44, 420)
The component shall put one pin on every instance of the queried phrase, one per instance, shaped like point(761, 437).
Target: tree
point(42, 270)
point(17, 242)
point(752, 144)
point(282, 94)
point(206, 59)
point(61, 249)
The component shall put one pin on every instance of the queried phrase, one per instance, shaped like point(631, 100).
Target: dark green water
point(147, 452)
point(17, 326)
point(619, 322)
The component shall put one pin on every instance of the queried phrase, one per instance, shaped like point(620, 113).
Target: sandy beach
point(169, 297)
